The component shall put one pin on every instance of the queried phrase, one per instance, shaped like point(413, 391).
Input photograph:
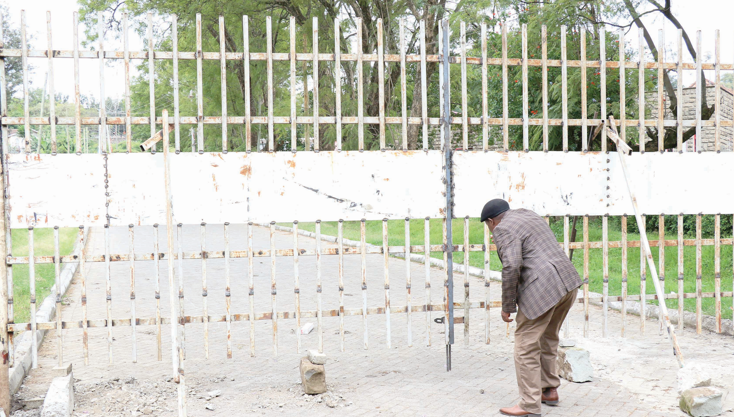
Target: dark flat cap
point(494, 208)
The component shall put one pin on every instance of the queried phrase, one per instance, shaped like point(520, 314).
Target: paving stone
point(574, 365)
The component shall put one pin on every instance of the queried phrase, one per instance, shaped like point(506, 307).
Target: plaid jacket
point(536, 273)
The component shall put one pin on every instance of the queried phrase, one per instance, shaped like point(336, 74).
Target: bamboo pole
point(623, 150)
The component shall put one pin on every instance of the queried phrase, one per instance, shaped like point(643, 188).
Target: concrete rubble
point(59, 400)
point(313, 376)
point(574, 365)
point(702, 401)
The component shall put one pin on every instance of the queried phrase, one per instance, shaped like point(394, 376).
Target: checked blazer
point(536, 273)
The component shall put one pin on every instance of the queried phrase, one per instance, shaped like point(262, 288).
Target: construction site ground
point(635, 375)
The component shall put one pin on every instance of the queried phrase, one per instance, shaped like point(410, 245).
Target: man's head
point(493, 212)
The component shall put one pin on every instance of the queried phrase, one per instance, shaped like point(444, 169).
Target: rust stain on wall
point(246, 171)
point(291, 163)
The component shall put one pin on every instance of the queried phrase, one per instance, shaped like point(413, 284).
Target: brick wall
point(708, 133)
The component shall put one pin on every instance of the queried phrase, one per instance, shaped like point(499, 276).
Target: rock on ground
point(702, 401)
point(693, 375)
point(59, 400)
point(574, 365)
point(316, 358)
point(313, 377)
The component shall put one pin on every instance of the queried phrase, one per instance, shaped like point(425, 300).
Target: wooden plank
point(315, 80)
point(544, 40)
point(223, 79)
point(381, 83)
point(294, 125)
point(199, 85)
point(641, 87)
point(424, 86)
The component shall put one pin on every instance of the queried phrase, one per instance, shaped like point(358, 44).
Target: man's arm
point(511, 257)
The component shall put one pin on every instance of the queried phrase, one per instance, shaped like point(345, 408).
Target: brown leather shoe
point(516, 411)
point(549, 396)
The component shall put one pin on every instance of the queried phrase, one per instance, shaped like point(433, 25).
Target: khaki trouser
point(536, 347)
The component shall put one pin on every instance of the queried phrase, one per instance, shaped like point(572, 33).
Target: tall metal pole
point(449, 192)
point(4, 341)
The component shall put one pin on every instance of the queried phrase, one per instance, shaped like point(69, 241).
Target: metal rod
point(360, 87)
point(485, 90)
point(132, 293)
point(404, 93)
point(681, 272)
point(525, 135)
point(363, 253)
point(699, 273)
point(59, 312)
point(151, 75)
point(424, 85)
point(386, 268)
point(408, 300)
point(228, 290)
point(296, 286)
point(449, 242)
point(108, 287)
point(340, 243)
point(717, 266)
point(83, 278)
point(319, 288)
point(176, 343)
point(661, 99)
point(427, 266)
point(505, 96)
point(605, 267)
point(128, 111)
point(51, 92)
point(269, 69)
point(102, 144)
point(466, 281)
point(176, 108)
point(273, 291)
point(204, 292)
point(200, 88)
point(26, 89)
point(223, 77)
point(567, 251)
point(32, 289)
point(315, 80)
point(246, 58)
point(251, 292)
point(381, 85)
point(624, 272)
point(544, 69)
point(77, 92)
point(156, 258)
point(603, 83)
point(586, 276)
point(641, 87)
point(584, 107)
point(564, 88)
point(6, 271)
point(292, 59)
point(643, 279)
point(487, 256)
point(337, 83)
point(464, 100)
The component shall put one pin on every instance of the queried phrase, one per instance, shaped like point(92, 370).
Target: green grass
point(43, 245)
point(396, 234)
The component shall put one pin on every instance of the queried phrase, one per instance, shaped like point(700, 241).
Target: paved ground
point(635, 376)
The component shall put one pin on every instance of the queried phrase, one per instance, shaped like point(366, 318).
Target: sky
point(704, 15)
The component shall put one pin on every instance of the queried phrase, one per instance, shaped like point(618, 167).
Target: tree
point(587, 15)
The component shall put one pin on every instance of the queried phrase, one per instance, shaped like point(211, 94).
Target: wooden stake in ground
point(623, 150)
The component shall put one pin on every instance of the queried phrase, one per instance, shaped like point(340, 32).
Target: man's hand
point(506, 317)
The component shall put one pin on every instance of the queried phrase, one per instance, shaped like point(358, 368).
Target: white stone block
point(574, 365)
point(316, 358)
point(59, 400)
point(702, 401)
